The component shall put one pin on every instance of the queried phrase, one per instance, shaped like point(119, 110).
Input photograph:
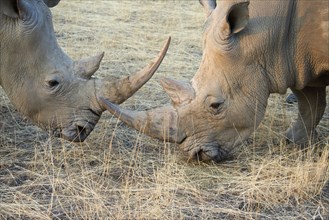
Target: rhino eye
point(52, 83)
point(216, 107)
point(215, 104)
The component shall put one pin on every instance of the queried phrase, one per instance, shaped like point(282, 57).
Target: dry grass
point(120, 174)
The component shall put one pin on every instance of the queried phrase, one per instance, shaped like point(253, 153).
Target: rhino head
point(227, 97)
point(45, 84)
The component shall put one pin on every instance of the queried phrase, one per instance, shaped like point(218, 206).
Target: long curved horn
point(160, 123)
point(119, 90)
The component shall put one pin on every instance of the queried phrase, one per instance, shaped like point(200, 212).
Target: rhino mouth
point(77, 132)
point(206, 152)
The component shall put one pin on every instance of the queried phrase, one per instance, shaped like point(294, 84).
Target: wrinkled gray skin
point(44, 83)
point(251, 49)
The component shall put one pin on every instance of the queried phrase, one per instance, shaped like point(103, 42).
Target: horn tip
point(167, 42)
point(165, 81)
point(101, 54)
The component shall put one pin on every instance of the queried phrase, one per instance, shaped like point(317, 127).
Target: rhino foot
point(311, 106)
point(298, 135)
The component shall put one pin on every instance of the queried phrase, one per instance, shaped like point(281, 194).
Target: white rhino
point(251, 49)
point(48, 86)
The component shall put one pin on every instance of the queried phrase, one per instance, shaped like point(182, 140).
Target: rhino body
point(250, 49)
point(44, 83)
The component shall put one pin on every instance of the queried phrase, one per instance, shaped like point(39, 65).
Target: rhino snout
point(77, 132)
point(207, 152)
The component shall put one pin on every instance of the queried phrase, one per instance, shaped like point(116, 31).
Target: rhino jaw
point(77, 132)
point(204, 152)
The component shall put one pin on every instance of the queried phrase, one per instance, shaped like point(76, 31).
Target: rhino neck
point(302, 51)
point(272, 31)
point(285, 71)
point(311, 43)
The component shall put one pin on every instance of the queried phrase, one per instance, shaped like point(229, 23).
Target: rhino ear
point(51, 3)
point(235, 20)
point(9, 8)
point(208, 5)
point(179, 92)
point(16, 8)
point(24, 9)
point(20, 8)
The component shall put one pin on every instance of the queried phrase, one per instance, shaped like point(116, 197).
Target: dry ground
point(120, 174)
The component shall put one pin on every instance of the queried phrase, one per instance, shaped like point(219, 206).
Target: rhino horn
point(119, 90)
point(160, 123)
point(208, 5)
point(86, 67)
point(179, 92)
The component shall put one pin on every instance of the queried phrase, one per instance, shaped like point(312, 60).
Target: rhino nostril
point(77, 133)
point(198, 155)
point(80, 134)
point(81, 130)
point(202, 155)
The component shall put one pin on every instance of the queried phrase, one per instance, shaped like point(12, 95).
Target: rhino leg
point(311, 106)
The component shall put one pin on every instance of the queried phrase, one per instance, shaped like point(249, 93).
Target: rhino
point(250, 50)
point(45, 84)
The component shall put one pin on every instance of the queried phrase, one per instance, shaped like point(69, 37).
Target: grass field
point(118, 173)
